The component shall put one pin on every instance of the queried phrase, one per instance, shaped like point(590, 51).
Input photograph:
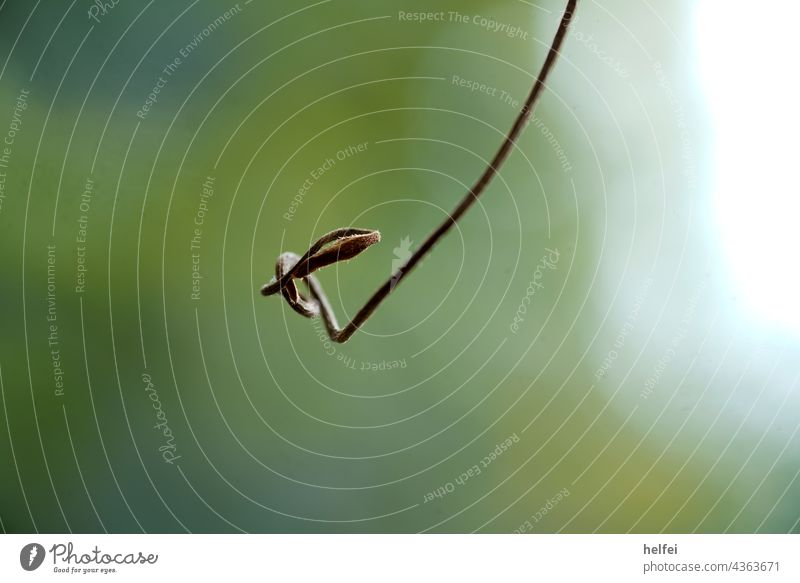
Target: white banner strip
point(355, 558)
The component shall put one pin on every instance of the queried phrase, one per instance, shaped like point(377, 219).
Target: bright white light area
point(749, 65)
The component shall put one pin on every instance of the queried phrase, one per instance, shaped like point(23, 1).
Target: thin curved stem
point(286, 275)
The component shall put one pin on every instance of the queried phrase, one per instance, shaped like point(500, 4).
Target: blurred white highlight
point(748, 62)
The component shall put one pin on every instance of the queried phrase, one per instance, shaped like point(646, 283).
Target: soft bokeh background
point(648, 384)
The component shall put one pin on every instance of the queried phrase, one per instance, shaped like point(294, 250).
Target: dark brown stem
point(301, 269)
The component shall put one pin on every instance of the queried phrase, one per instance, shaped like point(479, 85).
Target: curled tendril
point(344, 244)
point(338, 245)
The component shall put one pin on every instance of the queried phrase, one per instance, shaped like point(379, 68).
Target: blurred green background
point(629, 389)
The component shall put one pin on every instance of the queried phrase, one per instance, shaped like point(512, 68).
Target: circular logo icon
point(31, 556)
